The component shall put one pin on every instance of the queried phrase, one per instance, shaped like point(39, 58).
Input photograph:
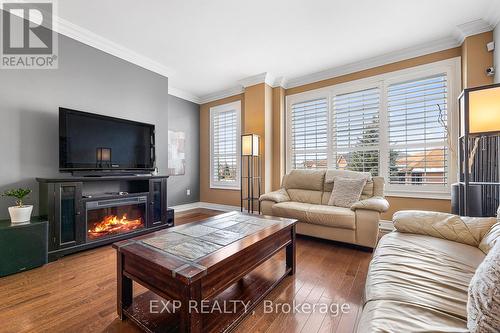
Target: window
point(225, 139)
point(394, 125)
point(356, 131)
point(309, 134)
point(418, 135)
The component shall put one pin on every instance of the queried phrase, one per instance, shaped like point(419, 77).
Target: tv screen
point(94, 142)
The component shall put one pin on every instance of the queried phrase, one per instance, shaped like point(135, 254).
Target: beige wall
point(475, 60)
point(262, 97)
point(258, 120)
point(496, 54)
point(278, 158)
point(398, 203)
point(224, 197)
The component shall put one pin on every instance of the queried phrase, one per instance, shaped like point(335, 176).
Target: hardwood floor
point(78, 292)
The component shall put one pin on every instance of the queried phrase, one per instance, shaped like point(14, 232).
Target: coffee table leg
point(124, 284)
point(290, 254)
point(191, 317)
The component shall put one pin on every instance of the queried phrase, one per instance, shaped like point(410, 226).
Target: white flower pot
point(20, 215)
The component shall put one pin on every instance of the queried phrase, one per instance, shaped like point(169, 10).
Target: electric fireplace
point(113, 217)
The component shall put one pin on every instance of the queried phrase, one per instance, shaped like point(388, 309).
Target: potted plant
point(20, 213)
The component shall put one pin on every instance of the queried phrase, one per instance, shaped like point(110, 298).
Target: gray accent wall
point(496, 60)
point(87, 80)
point(185, 116)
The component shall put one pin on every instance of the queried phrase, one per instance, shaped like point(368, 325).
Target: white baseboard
point(184, 207)
point(384, 225)
point(224, 208)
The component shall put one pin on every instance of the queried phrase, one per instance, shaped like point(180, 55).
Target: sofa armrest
point(278, 196)
point(465, 230)
point(378, 204)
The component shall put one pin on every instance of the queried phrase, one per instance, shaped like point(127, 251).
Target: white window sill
point(418, 194)
point(222, 187)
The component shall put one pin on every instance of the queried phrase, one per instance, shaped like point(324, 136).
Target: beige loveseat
point(304, 196)
point(419, 276)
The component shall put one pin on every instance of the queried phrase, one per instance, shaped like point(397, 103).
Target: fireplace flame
point(112, 224)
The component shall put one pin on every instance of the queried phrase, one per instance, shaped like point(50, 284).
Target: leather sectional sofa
point(419, 276)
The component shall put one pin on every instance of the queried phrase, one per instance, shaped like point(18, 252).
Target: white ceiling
point(206, 46)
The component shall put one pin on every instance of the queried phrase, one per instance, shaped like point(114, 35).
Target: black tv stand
point(99, 174)
point(69, 204)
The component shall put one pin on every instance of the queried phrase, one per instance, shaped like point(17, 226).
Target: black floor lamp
point(250, 180)
point(479, 152)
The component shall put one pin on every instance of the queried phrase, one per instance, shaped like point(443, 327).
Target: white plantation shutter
point(225, 141)
point(309, 139)
point(418, 139)
point(356, 130)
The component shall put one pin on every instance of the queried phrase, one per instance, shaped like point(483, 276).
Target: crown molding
point(265, 77)
point(388, 58)
point(221, 94)
point(183, 94)
point(253, 80)
point(96, 41)
point(471, 28)
point(279, 82)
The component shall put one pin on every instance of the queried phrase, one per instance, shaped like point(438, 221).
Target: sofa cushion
point(332, 174)
point(368, 190)
point(331, 216)
point(307, 196)
point(292, 210)
point(395, 316)
point(305, 180)
point(424, 271)
point(346, 191)
point(483, 307)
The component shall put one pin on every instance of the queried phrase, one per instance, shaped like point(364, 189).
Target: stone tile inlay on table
point(193, 249)
point(196, 241)
point(167, 240)
point(245, 228)
point(222, 237)
point(196, 230)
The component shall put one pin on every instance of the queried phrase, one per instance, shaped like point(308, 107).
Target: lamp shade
point(484, 110)
point(250, 145)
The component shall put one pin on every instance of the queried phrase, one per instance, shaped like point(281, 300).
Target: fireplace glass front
point(109, 218)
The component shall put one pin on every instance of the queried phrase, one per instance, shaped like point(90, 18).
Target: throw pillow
point(346, 191)
point(483, 305)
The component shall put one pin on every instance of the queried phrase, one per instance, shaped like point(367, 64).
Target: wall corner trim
point(471, 28)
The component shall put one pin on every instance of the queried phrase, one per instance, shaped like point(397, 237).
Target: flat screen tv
point(91, 142)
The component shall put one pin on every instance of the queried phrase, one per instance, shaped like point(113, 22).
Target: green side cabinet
point(22, 247)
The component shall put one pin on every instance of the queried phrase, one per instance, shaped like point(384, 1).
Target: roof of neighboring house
point(316, 164)
point(432, 159)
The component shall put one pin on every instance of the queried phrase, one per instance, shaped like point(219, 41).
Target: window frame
point(289, 138)
point(452, 68)
point(214, 184)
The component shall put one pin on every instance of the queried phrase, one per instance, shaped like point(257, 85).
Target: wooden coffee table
point(204, 277)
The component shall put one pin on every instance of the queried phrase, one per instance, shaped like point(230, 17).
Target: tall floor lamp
point(479, 152)
point(250, 160)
